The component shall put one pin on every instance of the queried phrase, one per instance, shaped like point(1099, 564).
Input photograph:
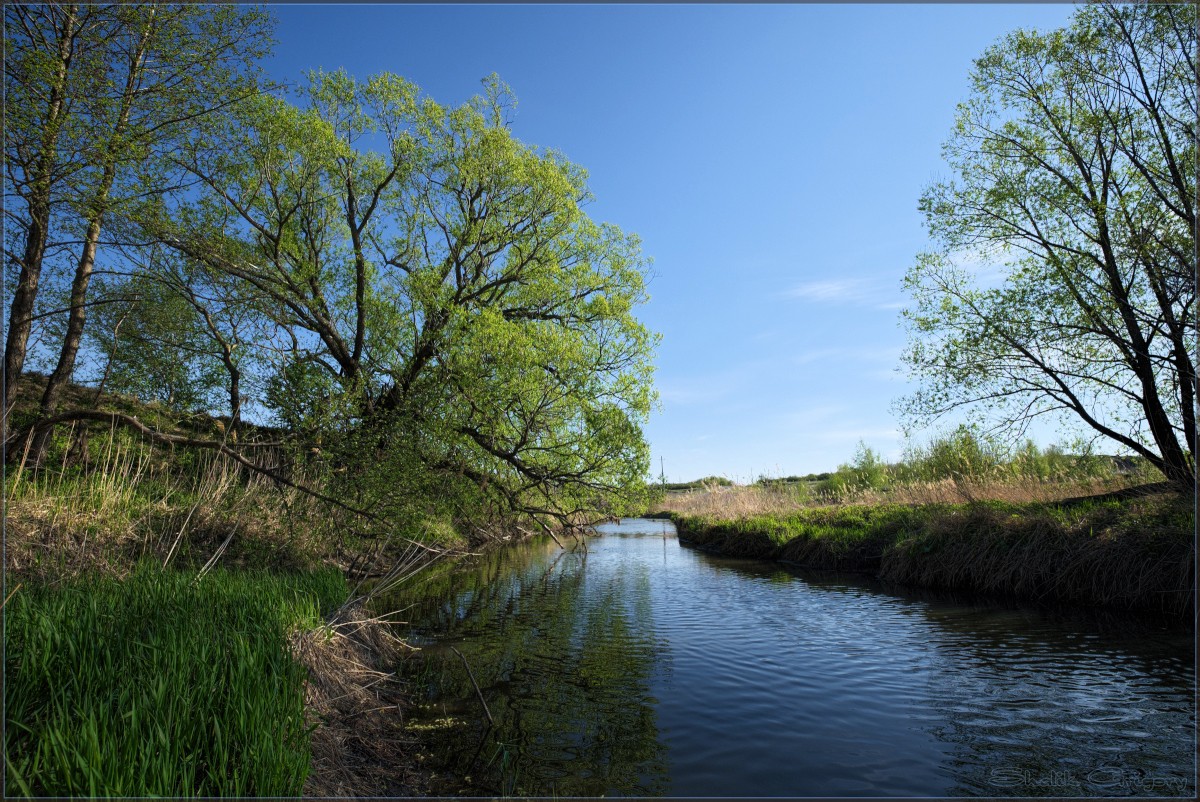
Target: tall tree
point(47, 50)
point(452, 311)
point(1075, 162)
point(155, 72)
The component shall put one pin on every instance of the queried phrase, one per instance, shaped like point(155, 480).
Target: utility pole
point(662, 473)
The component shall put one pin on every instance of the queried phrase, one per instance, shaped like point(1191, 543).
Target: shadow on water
point(647, 669)
point(564, 662)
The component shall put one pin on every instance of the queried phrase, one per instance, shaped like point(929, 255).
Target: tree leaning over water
point(1075, 165)
point(453, 332)
point(418, 297)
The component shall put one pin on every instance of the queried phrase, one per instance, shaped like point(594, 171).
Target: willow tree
point(450, 317)
point(1075, 168)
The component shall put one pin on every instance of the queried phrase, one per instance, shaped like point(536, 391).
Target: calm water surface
point(646, 668)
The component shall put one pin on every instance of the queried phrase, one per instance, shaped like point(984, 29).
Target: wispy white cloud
point(853, 435)
point(879, 292)
point(709, 387)
point(889, 355)
point(808, 416)
point(847, 290)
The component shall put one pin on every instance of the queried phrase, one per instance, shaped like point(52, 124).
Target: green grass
point(1127, 553)
point(160, 685)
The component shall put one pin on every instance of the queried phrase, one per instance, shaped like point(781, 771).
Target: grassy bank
point(178, 626)
point(1131, 553)
point(161, 684)
point(181, 681)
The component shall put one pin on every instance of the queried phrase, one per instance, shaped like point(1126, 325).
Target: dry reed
point(737, 502)
point(360, 746)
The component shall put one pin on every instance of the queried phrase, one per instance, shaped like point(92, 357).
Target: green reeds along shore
point(1134, 553)
point(161, 684)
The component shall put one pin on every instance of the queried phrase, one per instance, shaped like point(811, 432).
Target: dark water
point(646, 668)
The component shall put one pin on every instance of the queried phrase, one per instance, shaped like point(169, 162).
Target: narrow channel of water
point(646, 668)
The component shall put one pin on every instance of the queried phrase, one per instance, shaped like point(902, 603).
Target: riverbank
point(237, 683)
point(1125, 553)
point(222, 618)
point(176, 626)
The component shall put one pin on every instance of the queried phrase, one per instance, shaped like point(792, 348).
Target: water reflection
point(564, 659)
point(648, 669)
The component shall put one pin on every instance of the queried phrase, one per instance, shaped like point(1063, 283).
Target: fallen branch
point(476, 684)
point(130, 422)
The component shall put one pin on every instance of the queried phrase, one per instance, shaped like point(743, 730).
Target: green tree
point(47, 51)
point(1075, 166)
point(157, 346)
point(115, 87)
point(964, 453)
point(447, 310)
point(867, 470)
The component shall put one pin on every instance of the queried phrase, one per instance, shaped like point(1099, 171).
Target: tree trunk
point(20, 316)
point(87, 259)
point(235, 398)
point(74, 336)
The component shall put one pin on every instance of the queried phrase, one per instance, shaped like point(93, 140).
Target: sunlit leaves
point(1075, 178)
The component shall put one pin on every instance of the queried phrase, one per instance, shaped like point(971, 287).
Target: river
point(647, 668)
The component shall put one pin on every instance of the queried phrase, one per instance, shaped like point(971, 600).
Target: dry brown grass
point(729, 502)
point(737, 502)
point(360, 746)
point(135, 502)
point(1013, 491)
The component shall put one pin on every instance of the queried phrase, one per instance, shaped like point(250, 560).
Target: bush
point(867, 472)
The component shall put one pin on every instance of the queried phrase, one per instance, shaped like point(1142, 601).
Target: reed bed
point(361, 747)
point(135, 500)
point(1139, 554)
point(161, 684)
point(746, 501)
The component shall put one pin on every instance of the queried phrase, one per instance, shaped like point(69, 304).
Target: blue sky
point(769, 156)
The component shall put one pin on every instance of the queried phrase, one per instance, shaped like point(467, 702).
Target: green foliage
point(1074, 174)
point(962, 454)
point(160, 685)
point(455, 330)
point(156, 347)
point(707, 481)
point(867, 471)
point(1129, 553)
point(967, 454)
point(302, 396)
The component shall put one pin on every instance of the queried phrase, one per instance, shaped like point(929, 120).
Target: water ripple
point(651, 669)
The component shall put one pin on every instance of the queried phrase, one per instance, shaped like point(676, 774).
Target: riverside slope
point(1125, 553)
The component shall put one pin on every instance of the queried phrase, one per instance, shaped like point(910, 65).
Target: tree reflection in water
point(565, 663)
point(779, 682)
